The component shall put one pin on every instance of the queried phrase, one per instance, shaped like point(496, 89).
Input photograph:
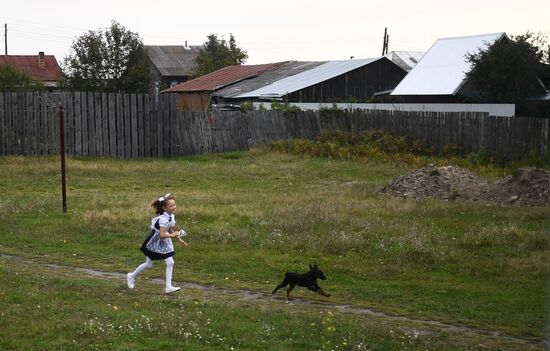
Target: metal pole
point(62, 152)
point(6, 38)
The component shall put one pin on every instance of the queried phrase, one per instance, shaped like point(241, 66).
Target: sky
point(269, 31)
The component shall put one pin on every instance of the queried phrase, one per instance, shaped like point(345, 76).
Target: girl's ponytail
point(159, 203)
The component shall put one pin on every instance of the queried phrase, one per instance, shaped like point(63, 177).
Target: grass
point(251, 216)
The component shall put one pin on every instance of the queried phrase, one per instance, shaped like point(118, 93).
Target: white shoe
point(171, 289)
point(130, 280)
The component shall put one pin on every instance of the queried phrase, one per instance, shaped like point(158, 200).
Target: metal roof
point(222, 77)
point(308, 78)
point(442, 70)
point(266, 78)
point(48, 71)
point(173, 60)
point(405, 59)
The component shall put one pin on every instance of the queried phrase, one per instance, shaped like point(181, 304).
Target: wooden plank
point(8, 122)
point(127, 126)
point(29, 124)
point(98, 124)
point(111, 111)
point(91, 125)
point(134, 125)
point(159, 126)
point(19, 122)
point(147, 126)
point(77, 124)
point(140, 125)
point(2, 126)
point(84, 123)
point(175, 140)
point(105, 149)
point(120, 125)
point(69, 116)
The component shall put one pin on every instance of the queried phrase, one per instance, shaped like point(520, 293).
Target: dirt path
point(249, 295)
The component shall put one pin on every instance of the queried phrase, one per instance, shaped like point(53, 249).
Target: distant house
point(195, 94)
point(440, 75)
point(172, 64)
point(333, 81)
point(39, 67)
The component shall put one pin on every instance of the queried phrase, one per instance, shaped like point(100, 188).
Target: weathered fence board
point(138, 125)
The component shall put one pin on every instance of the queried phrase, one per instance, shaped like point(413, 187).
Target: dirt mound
point(526, 186)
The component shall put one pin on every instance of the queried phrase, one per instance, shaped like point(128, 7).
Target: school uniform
point(155, 247)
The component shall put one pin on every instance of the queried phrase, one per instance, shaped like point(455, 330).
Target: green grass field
point(251, 216)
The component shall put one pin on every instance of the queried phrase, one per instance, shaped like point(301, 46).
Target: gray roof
point(309, 77)
point(264, 79)
point(173, 60)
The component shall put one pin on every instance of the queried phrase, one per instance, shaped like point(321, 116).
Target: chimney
point(41, 62)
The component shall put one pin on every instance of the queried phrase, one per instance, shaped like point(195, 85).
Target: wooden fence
point(137, 125)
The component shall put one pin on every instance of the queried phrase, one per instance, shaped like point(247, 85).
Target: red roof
point(222, 77)
point(48, 70)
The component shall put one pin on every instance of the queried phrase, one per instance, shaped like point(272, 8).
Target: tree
point(508, 70)
point(109, 60)
point(13, 80)
point(217, 53)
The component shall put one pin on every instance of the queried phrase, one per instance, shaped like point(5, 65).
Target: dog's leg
point(288, 291)
point(282, 285)
point(318, 290)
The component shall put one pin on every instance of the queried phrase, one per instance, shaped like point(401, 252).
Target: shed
point(333, 81)
point(194, 95)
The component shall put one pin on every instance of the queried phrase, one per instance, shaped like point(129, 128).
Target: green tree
point(508, 70)
point(13, 80)
point(108, 60)
point(217, 53)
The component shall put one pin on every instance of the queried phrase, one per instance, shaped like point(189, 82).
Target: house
point(195, 94)
point(39, 68)
point(333, 81)
point(171, 64)
point(440, 75)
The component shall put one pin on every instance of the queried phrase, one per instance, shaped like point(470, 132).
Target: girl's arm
point(182, 242)
point(163, 233)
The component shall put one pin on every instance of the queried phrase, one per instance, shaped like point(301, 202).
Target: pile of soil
point(525, 186)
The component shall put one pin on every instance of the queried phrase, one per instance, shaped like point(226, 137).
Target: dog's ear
point(310, 267)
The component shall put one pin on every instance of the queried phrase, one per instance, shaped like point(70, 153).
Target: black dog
point(307, 280)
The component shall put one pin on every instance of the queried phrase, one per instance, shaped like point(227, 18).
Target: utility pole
point(385, 42)
point(6, 38)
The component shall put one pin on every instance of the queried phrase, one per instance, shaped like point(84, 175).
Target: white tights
point(149, 263)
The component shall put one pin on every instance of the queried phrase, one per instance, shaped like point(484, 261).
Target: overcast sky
point(270, 31)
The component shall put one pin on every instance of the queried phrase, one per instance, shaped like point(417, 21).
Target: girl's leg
point(131, 277)
point(147, 264)
point(169, 268)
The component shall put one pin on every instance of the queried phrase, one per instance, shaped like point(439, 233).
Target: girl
point(158, 245)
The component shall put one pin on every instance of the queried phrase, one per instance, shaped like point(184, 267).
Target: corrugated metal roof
point(222, 77)
point(308, 78)
point(266, 78)
point(49, 71)
point(173, 60)
point(442, 70)
point(405, 59)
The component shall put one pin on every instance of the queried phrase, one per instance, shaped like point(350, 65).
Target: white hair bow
point(162, 198)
